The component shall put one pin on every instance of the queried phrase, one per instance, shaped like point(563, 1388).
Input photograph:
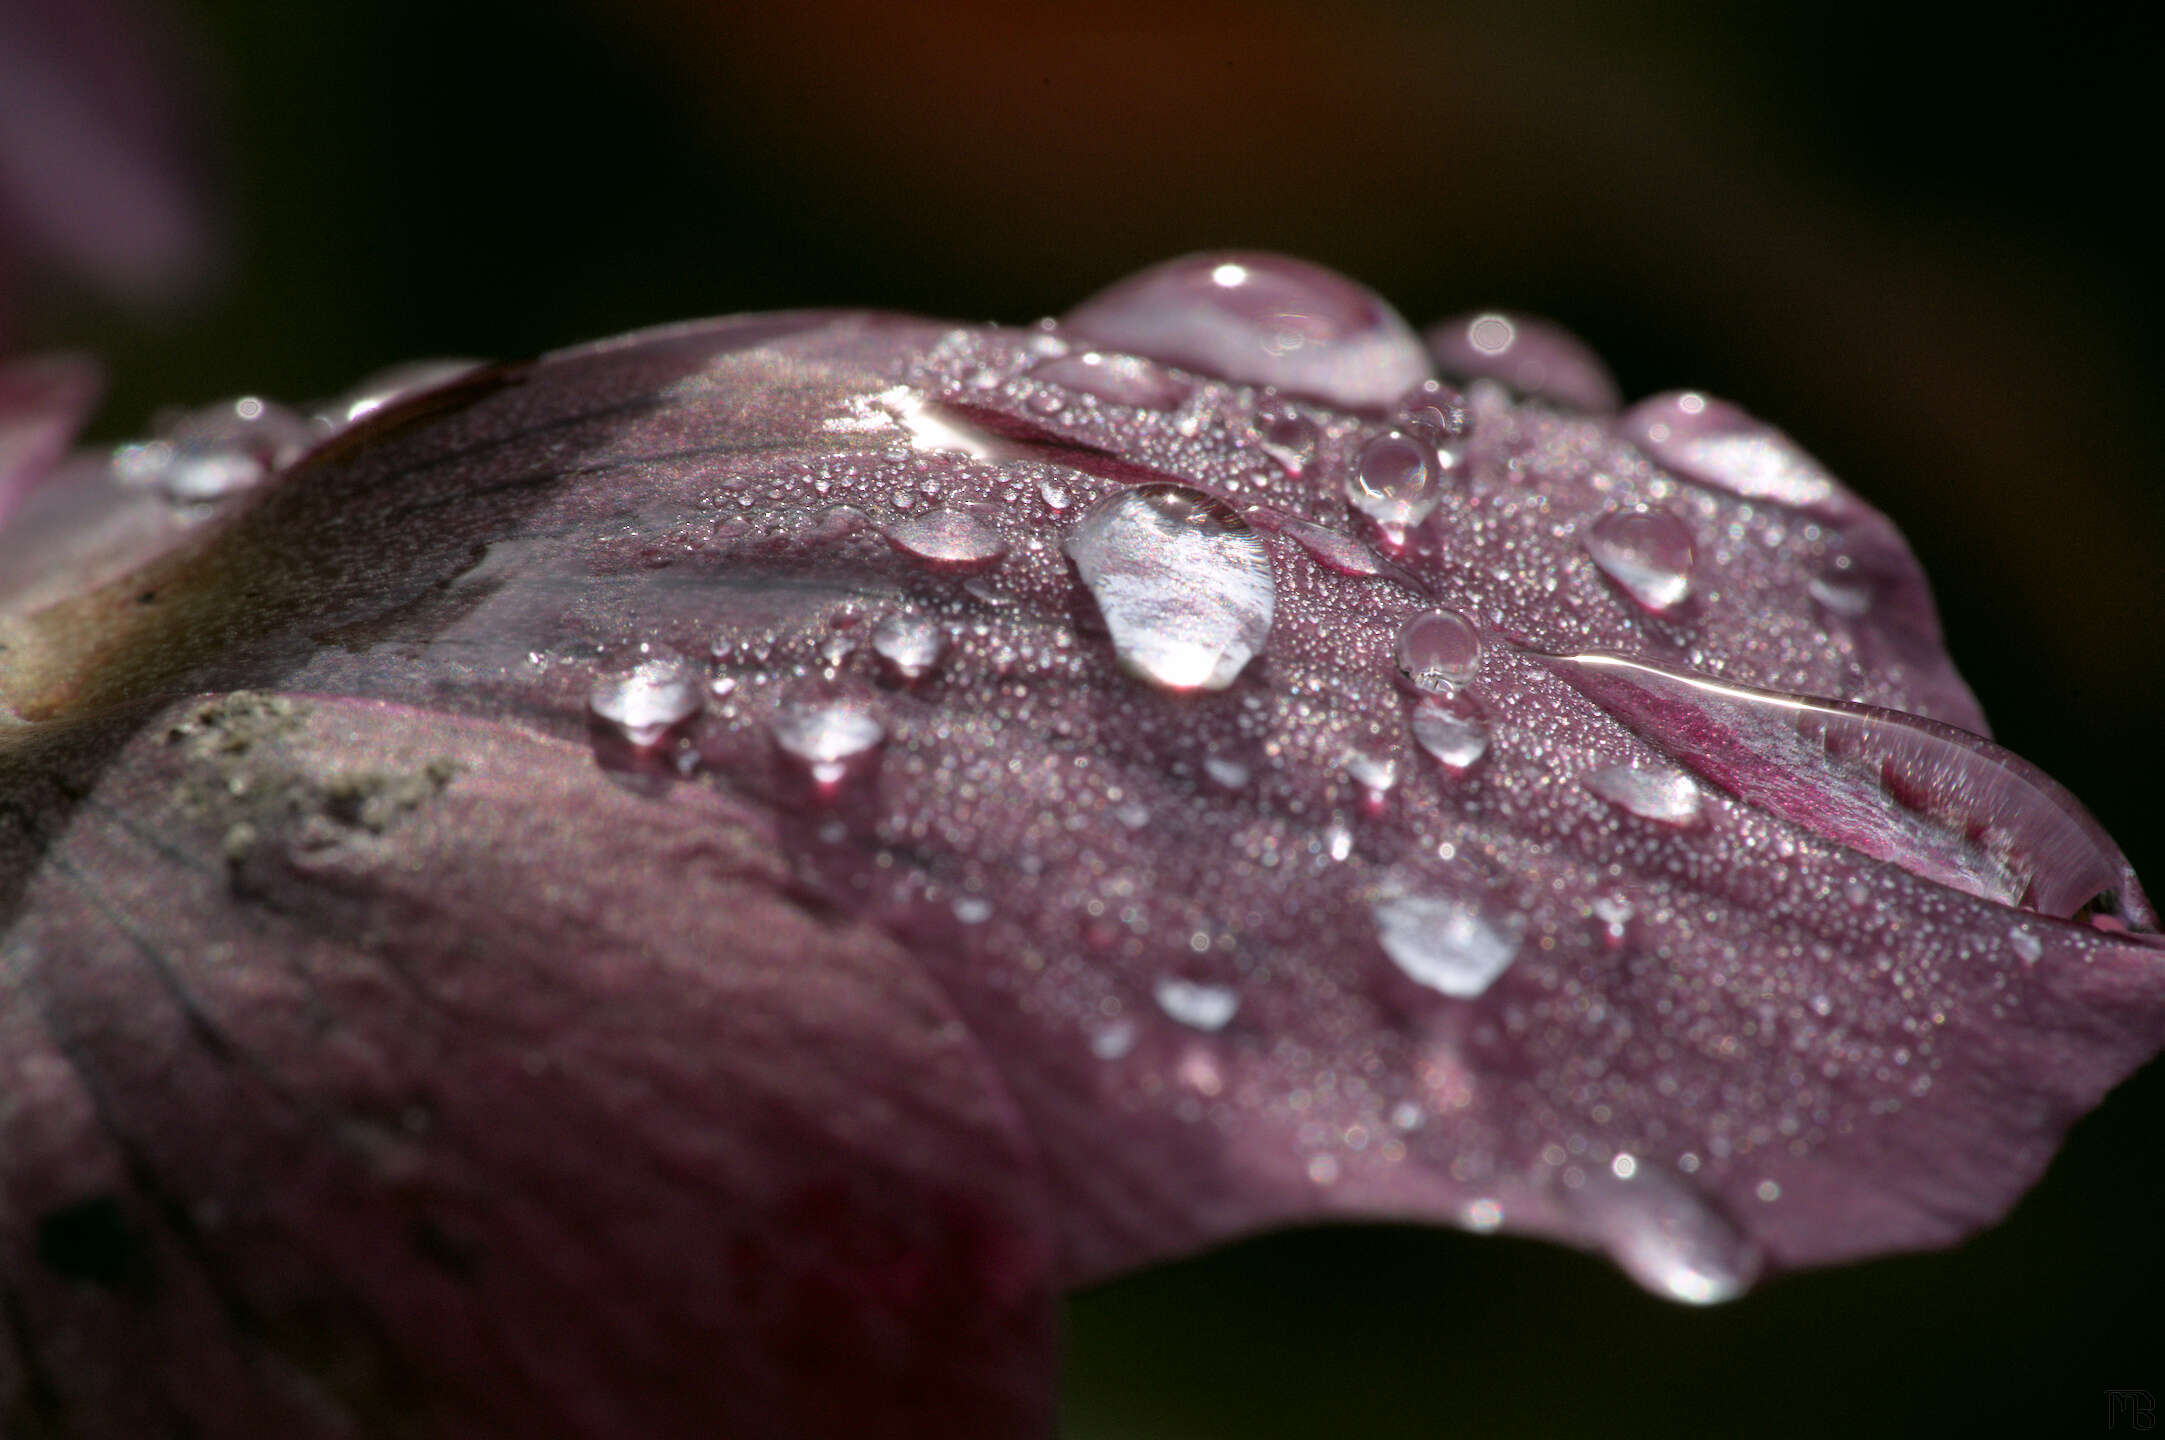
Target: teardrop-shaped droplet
point(1647, 552)
point(1262, 319)
point(1533, 356)
point(1447, 943)
point(1662, 796)
point(830, 737)
point(1937, 801)
point(1397, 479)
point(1439, 652)
point(1118, 379)
point(1183, 583)
point(947, 539)
point(909, 645)
point(649, 698)
point(1713, 443)
point(1375, 776)
point(1334, 550)
point(1197, 1006)
point(1664, 1235)
point(390, 386)
point(1453, 730)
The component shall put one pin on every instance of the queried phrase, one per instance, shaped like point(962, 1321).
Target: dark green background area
point(1917, 242)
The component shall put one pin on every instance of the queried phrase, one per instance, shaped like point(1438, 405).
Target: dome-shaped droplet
point(1647, 552)
point(1937, 801)
point(909, 645)
point(1439, 651)
point(647, 699)
point(830, 737)
point(217, 451)
point(1453, 730)
point(1262, 319)
point(1713, 443)
point(1446, 943)
point(1197, 1006)
point(947, 539)
point(1118, 379)
point(1533, 356)
point(1183, 583)
point(1663, 1234)
point(1397, 479)
point(388, 387)
point(1334, 550)
point(1662, 796)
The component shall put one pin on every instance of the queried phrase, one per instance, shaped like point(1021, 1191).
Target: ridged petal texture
point(685, 886)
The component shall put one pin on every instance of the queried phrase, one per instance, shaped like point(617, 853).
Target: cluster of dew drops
point(1342, 443)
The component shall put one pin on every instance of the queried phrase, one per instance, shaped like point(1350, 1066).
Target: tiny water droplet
point(1439, 652)
point(646, 700)
point(1453, 729)
point(1615, 914)
point(1376, 775)
point(1647, 552)
point(1662, 796)
point(1450, 945)
point(1533, 356)
point(1184, 584)
point(2027, 945)
point(947, 539)
point(1337, 840)
point(829, 737)
point(1397, 479)
point(972, 909)
point(1113, 1040)
point(1226, 772)
point(1054, 496)
point(909, 645)
point(1198, 1006)
point(1261, 319)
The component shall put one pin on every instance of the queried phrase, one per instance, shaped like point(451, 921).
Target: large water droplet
point(1453, 730)
point(1438, 652)
point(1662, 796)
point(947, 539)
point(1647, 552)
point(220, 450)
point(1663, 1235)
point(390, 386)
point(1183, 583)
point(830, 737)
point(1263, 319)
point(910, 645)
point(647, 699)
point(1533, 356)
point(1716, 444)
point(1937, 801)
point(1119, 379)
point(1451, 945)
point(1397, 479)
point(1198, 1006)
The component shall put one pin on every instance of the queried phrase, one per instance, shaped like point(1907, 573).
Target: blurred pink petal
point(43, 403)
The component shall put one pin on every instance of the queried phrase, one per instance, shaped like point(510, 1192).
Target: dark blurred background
point(1915, 241)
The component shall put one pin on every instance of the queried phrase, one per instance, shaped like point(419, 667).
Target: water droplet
point(1662, 796)
point(1452, 729)
point(1337, 840)
point(1664, 1236)
point(1333, 550)
point(1768, 1191)
point(1200, 1007)
point(972, 909)
point(1287, 436)
point(1533, 356)
point(831, 737)
point(1615, 914)
point(1439, 652)
point(1262, 319)
point(1323, 1169)
point(1184, 584)
point(1647, 552)
point(390, 386)
point(1226, 772)
point(1054, 496)
point(1937, 801)
point(2027, 945)
point(1483, 1215)
point(948, 539)
point(651, 697)
point(208, 454)
point(1397, 479)
point(1376, 775)
point(1113, 1040)
point(1450, 945)
point(1716, 444)
point(910, 645)
point(1118, 379)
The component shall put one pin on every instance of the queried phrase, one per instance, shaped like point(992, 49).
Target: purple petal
point(1266, 936)
point(43, 403)
point(1538, 358)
